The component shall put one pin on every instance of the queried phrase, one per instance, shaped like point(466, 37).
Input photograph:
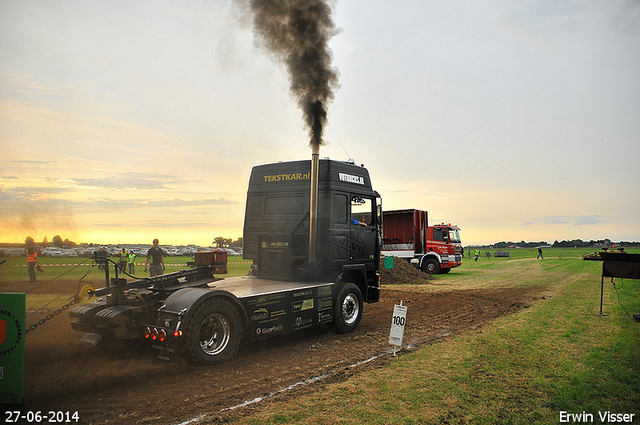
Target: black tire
point(348, 308)
point(431, 266)
point(214, 332)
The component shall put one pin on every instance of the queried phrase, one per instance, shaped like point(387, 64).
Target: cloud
point(41, 197)
point(549, 220)
point(586, 220)
point(106, 204)
point(32, 162)
point(195, 202)
point(583, 220)
point(121, 183)
point(26, 194)
point(131, 181)
point(152, 224)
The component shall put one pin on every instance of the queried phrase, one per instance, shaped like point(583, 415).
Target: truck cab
point(276, 226)
point(433, 249)
point(445, 247)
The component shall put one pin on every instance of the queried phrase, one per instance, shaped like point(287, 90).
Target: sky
point(121, 122)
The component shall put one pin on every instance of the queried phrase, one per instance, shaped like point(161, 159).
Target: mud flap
point(165, 351)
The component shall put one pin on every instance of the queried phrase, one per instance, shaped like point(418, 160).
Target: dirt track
point(132, 387)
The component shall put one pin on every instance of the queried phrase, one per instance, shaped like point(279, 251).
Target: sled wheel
point(431, 266)
point(348, 308)
point(214, 332)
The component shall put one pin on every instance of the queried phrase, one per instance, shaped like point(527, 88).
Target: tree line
point(222, 242)
point(574, 243)
point(586, 244)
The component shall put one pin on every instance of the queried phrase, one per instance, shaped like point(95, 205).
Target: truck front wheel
point(214, 332)
point(348, 308)
point(431, 266)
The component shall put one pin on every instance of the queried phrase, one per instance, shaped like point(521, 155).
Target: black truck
point(306, 272)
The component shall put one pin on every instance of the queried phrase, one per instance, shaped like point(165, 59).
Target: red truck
point(433, 249)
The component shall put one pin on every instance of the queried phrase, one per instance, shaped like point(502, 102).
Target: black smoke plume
point(297, 32)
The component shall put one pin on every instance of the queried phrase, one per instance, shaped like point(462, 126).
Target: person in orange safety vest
point(32, 257)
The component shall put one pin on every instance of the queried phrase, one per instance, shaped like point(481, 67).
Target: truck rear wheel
point(431, 266)
point(214, 332)
point(348, 308)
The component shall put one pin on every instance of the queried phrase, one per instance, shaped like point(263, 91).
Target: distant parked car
point(186, 251)
point(52, 251)
point(13, 252)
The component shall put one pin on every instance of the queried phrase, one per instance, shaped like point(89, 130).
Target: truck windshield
point(454, 236)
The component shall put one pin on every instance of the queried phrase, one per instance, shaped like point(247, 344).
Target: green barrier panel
point(12, 333)
point(388, 263)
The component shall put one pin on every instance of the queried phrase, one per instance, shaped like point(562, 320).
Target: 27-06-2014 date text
point(36, 417)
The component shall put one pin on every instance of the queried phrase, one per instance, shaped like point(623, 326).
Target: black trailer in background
point(616, 264)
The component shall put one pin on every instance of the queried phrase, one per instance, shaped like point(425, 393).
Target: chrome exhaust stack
point(313, 207)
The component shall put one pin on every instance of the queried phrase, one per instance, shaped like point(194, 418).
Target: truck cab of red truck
point(433, 249)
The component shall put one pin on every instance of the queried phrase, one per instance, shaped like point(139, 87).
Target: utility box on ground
point(12, 333)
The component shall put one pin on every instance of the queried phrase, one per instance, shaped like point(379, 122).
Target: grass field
point(538, 366)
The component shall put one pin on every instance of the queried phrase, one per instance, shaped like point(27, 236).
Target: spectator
point(157, 263)
point(124, 258)
point(132, 262)
point(32, 257)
